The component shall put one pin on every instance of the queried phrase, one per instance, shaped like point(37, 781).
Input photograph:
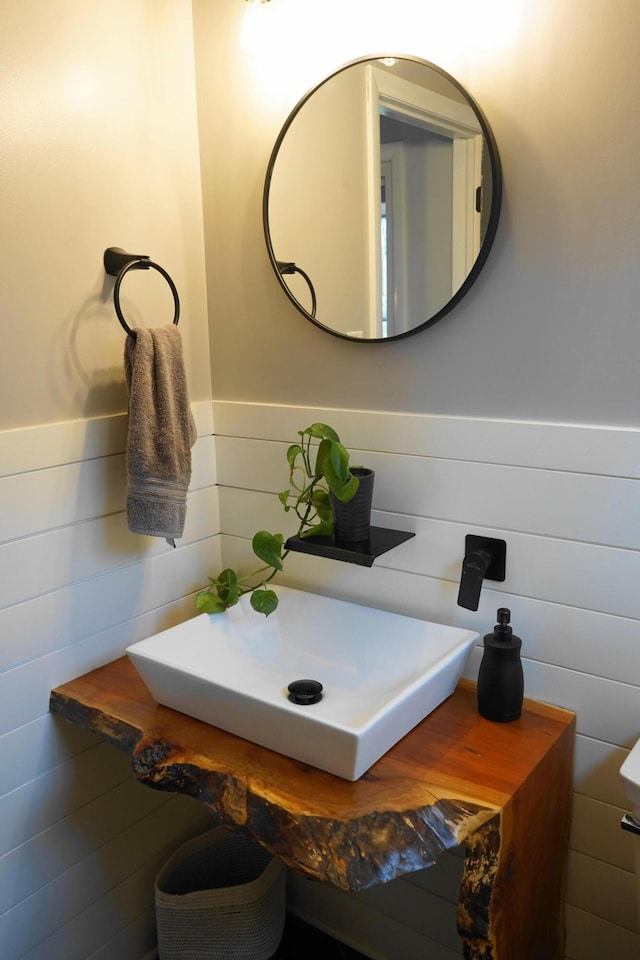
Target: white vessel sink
point(381, 673)
point(630, 772)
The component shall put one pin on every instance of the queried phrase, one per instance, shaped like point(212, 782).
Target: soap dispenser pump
point(500, 679)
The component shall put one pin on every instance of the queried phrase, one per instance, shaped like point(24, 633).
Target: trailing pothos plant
point(316, 469)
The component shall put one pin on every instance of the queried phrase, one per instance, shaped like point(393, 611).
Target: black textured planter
point(353, 519)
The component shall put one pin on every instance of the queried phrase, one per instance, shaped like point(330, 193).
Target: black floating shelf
point(363, 553)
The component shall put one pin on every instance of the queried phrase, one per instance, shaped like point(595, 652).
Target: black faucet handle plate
point(497, 551)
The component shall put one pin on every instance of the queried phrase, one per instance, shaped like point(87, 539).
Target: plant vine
point(311, 483)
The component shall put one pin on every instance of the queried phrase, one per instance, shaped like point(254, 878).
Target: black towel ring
point(117, 263)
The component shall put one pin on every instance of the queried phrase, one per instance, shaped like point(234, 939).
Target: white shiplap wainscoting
point(566, 498)
point(80, 840)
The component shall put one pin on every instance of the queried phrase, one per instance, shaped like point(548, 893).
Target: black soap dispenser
point(500, 679)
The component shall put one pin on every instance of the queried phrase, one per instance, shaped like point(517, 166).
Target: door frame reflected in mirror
point(424, 110)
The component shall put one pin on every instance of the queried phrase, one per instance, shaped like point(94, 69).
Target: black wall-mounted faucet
point(484, 559)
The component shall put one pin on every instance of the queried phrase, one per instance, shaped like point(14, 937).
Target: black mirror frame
point(492, 221)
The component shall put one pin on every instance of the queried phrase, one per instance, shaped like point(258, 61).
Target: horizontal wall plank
point(103, 925)
point(44, 499)
point(137, 941)
point(78, 913)
point(349, 918)
point(242, 512)
point(203, 463)
point(58, 620)
point(591, 698)
point(202, 411)
point(554, 446)
point(25, 690)
point(415, 907)
point(586, 575)
point(34, 502)
point(523, 499)
point(443, 878)
point(39, 803)
point(592, 938)
point(55, 444)
point(40, 564)
point(596, 832)
point(602, 890)
point(72, 441)
point(33, 920)
point(554, 625)
point(580, 575)
point(38, 747)
point(597, 771)
point(48, 854)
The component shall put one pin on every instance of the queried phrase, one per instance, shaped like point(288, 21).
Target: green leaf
point(210, 603)
point(348, 490)
point(283, 497)
point(268, 547)
point(340, 461)
point(334, 480)
point(227, 586)
point(323, 457)
point(293, 453)
point(264, 601)
point(322, 504)
point(322, 529)
point(320, 431)
point(321, 500)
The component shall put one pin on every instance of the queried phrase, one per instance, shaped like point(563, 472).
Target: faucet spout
point(484, 559)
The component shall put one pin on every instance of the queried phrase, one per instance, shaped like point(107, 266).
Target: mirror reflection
point(382, 198)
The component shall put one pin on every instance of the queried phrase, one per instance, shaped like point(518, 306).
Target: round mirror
point(382, 198)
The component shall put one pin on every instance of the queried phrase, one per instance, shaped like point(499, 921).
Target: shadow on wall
point(89, 332)
point(93, 331)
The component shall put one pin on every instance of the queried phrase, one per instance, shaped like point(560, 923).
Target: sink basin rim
point(313, 712)
point(630, 773)
point(351, 731)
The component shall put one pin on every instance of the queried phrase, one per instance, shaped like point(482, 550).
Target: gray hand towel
point(160, 434)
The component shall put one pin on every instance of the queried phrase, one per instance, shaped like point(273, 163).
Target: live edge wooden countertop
point(502, 789)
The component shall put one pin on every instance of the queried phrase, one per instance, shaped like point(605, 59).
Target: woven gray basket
point(220, 896)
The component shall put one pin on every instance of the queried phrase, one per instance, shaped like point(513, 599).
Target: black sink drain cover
point(305, 692)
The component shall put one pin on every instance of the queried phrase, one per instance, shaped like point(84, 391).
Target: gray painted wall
point(550, 330)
